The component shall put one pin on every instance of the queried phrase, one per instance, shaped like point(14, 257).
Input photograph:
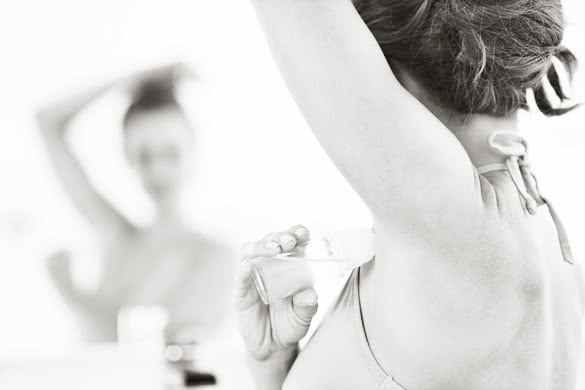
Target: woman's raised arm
point(404, 163)
point(54, 121)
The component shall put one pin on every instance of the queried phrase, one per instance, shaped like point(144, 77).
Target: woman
point(166, 263)
point(474, 285)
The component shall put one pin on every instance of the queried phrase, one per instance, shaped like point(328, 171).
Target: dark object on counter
point(194, 379)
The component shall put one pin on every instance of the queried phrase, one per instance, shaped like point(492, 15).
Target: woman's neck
point(471, 130)
point(474, 131)
point(168, 211)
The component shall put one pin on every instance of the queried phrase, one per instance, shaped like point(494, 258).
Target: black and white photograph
point(292, 195)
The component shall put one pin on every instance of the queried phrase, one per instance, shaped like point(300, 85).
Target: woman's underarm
point(401, 160)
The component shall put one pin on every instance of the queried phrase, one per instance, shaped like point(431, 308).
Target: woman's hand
point(59, 268)
point(273, 330)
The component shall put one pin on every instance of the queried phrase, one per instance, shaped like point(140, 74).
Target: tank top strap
point(515, 149)
point(387, 382)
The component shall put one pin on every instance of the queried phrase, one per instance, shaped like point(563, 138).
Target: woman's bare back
point(503, 312)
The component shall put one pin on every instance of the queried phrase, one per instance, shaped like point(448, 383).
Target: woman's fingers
point(290, 238)
point(300, 232)
point(276, 242)
point(286, 240)
point(305, 305)
point(272, 244)
point(246, 293)
point(262, 248)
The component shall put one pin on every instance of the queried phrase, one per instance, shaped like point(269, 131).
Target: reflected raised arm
point(54, 121)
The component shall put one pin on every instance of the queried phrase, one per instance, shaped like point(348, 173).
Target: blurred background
point(256, 166)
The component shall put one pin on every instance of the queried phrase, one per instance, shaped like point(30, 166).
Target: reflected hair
point(153, 94)
point(476, 56)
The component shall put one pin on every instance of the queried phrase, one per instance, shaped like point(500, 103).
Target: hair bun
point(474, 56)
point(153, 93)
point(156, 92)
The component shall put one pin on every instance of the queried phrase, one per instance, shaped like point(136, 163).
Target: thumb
point(246, 294)
point(305, 305)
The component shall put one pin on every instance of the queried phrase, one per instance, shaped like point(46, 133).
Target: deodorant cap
point(355, 246)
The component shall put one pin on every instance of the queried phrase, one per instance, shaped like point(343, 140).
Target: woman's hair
point(153, 94)
point(475, 56)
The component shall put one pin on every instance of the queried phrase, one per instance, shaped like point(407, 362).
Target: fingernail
point(310, 299)
point(300, 232)
point(286, 239)
point(271, 245)
point(311, 303)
